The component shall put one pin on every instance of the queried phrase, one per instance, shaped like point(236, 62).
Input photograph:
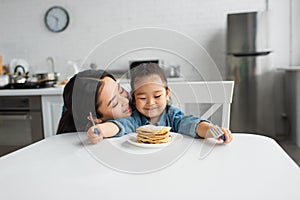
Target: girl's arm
point(106, 129)
point(203, 131)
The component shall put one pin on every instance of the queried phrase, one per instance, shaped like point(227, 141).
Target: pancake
point(151, 134)
point(150, 141)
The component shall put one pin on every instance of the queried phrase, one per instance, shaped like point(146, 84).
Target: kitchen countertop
point(291, 68)
point(58, 90)
point(33, 92)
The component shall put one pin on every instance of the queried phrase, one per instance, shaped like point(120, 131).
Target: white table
point(62, 167)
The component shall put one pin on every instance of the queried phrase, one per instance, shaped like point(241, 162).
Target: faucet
point(51, 60)
point(74, 65)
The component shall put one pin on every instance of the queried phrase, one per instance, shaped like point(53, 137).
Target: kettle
point(19, 72)
point(20, 75)
point(15, 62)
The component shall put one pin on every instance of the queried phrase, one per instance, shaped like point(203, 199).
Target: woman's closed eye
point(115, 105)
point(121, 90)
point(157, 96)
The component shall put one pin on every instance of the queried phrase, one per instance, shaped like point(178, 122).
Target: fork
point(208, 145)
point(96, 131)
point(217, 132)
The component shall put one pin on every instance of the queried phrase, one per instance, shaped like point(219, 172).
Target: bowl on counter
point(46, 77)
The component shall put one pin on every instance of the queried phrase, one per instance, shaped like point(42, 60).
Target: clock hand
point(56, 21)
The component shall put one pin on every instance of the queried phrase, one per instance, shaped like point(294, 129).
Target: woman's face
point(113, 101)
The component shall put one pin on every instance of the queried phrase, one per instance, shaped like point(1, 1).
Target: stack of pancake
point(151, 134)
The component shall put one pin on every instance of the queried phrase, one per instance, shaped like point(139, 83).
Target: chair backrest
point(216, 95)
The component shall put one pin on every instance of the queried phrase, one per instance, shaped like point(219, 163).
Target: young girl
point(150, 98)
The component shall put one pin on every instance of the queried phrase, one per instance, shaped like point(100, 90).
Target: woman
point(94, 91)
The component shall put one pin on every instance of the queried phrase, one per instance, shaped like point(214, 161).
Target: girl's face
point(151, 97)
point(113, 101)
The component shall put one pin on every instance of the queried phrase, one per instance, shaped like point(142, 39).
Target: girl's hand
point(93, 137)
point(227, 134)
point(203, 130)
point(96, 120)
point(106, 129)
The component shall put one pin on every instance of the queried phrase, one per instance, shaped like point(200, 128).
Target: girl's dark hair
point(146, 69)
point(142, 70)
point(80, 97)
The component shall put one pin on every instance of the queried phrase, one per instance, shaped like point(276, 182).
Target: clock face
point(57, 19)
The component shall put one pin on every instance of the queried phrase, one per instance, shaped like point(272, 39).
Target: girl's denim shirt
point(172, 116)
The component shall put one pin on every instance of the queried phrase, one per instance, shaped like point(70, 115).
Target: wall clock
point(57, 19)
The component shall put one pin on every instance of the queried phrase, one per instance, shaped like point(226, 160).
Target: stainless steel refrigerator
point(249, 65)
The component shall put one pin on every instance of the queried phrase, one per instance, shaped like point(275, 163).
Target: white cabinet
point(292, 84)
point(52, 109)
point(292, 101)
point(52, 102)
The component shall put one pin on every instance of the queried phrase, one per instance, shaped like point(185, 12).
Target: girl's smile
point(151, 97)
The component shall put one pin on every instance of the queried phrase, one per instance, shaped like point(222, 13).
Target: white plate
point(132, 140)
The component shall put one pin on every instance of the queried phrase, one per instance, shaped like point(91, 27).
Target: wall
point(24, 35)
point(295, 35)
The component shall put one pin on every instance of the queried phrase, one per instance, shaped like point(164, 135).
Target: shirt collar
point(160, 122)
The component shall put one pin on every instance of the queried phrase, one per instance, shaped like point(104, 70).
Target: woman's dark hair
point(80, 96)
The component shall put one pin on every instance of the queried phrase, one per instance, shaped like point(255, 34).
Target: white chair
point(214, 96)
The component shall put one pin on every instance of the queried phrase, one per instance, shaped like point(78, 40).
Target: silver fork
point(208, 145)
point(216, 132)
point(96, 131)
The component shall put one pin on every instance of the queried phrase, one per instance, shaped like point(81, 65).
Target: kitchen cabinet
point(52, 109)
point(51, 100)
point(292, 98)
point(20, 122)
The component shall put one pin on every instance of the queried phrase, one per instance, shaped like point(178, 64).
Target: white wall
point(24, 34)
point(295, 24)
